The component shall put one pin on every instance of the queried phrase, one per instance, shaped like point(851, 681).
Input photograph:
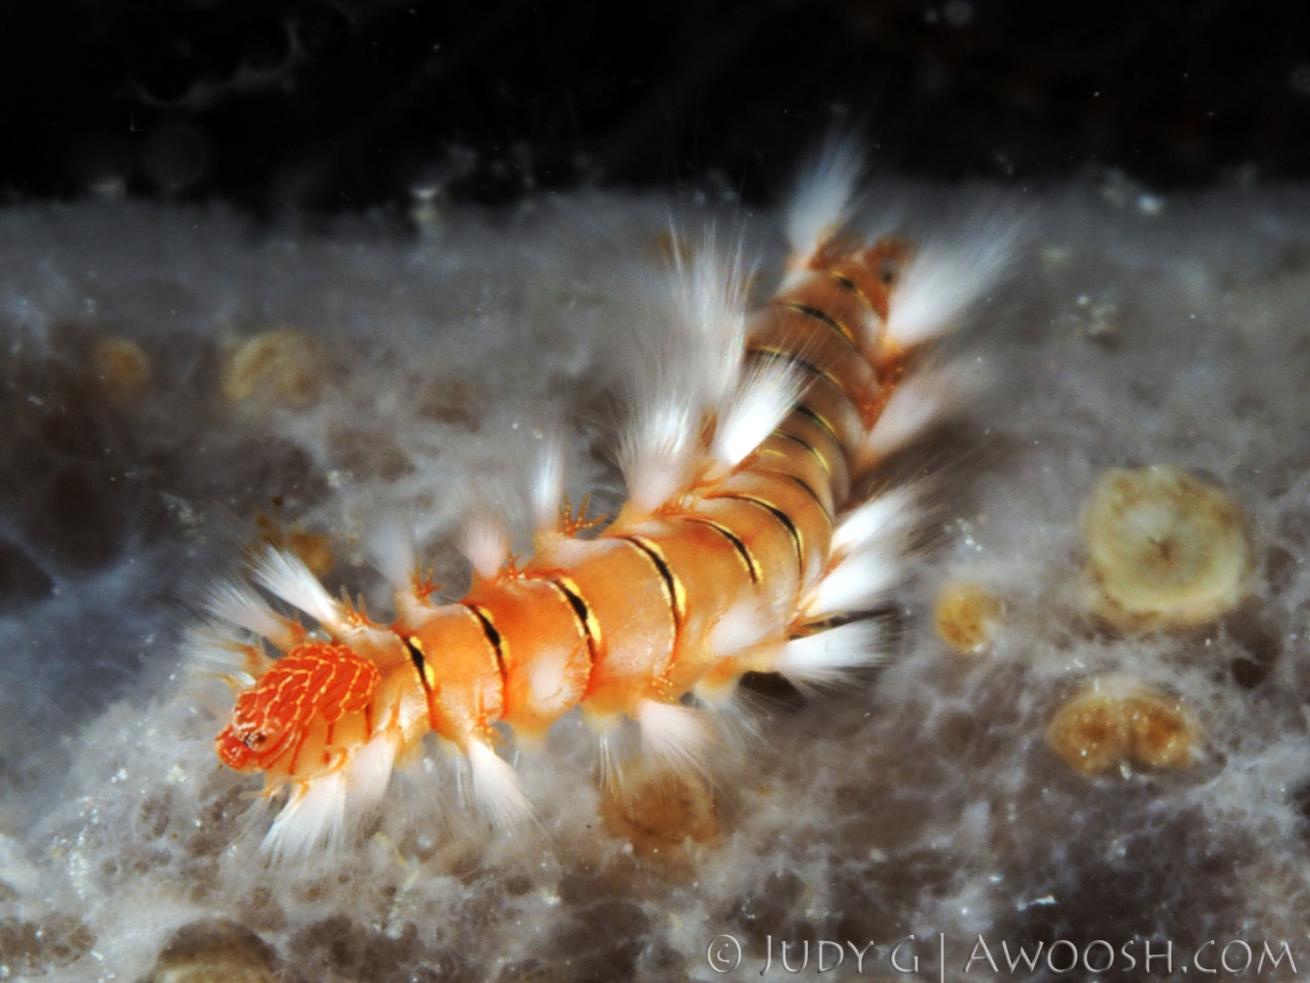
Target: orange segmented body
point(719, 580)
point(317, 690)
point(645, 594)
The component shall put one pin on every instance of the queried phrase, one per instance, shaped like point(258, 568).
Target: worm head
point(315, 697)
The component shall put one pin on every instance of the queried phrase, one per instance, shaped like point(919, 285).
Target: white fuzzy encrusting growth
point(285, 575)
point(946, 276)
point(821, 204)
point(825, 657)
point(760, 403)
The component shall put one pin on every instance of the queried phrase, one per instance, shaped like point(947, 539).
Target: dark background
point(352, 104)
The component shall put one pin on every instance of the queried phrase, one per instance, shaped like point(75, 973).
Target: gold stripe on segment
point(814, 314)
point(803, 484)
point(781, 354)
point(797, 539)
point(820, 421)
point(674, 592)
point(854, 288)
point(743, 551)
point(499, 647)
point(823, 461)
point(586, 617)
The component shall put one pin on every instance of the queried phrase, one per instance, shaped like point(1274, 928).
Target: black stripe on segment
point(814, 314)
point(814, 451)
point(674, 592)
point(791, 358)
point(802, 484)
point(492, 634)
point(587, 622)
point(797, 540)
point(415, 649)
point(819, 421)
point(854, 288)
point(426, 679)
point(743, 551)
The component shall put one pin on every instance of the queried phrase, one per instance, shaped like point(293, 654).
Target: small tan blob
point(216, 951)
point(966, 616)
point(122, 367)
point(282, 367)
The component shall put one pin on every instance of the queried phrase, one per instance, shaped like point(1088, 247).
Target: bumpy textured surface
point(1136, 331)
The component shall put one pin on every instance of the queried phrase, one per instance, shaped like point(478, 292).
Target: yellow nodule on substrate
point(282, 367)
point(1164, 549)
point(966, 616)
point(122, 367)
point(660, 812)
point(1113, 721)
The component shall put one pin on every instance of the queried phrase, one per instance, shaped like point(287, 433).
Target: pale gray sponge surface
point(1133, 330)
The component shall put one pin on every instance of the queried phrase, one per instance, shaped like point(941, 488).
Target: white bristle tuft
point(611, 757)
point(857, 583)
point(688, 365)
point(944, 279)
point(391, 546)
point(313, 819)
point(484, 541)
point(678, 737)
point(738, 718)
point(658, 449)
point(890, 514)
point(822, 202)
point(710, 293)
point(285, 575)
point(761, 402)
point(918, 403)
point(825, 657)
point(743, 626)
point(238, 605)
point(208, 648)
point(496, 788)
point(548, 483)
point(369, 772)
